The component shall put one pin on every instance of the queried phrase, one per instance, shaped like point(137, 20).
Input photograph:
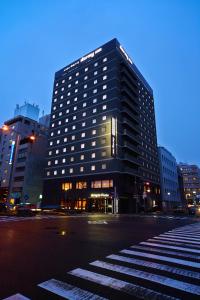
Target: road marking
point(164, 258)
point(17, 297)
point(98, 222)
point(171, 247)
point(183, 234)
point(187, 246)
point(180, 237)
point(68, 291)
point(120, 285)
point(157, 266)
point(163, 280)
point(186, 255)
point(176, 240)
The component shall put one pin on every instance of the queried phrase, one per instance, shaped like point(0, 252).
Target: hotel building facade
point(102, 146)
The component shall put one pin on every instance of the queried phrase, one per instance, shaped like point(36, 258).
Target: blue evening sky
point(162, 37)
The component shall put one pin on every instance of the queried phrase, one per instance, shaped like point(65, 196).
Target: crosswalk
point(165, 267)
point(6, 219)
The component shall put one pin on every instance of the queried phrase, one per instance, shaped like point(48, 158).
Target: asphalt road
point(33, 251)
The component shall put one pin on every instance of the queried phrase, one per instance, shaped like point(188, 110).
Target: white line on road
point(186, 245)
point(180, 237)
point(163, 258)
point(121, 285)
point(157, 266)
point(183, 234)
point(68, 291)
point(17, 297)
point(163, 280)
point(176, 240)
point(170, 247)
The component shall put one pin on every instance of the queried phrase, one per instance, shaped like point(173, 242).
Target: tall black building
point(102, 151)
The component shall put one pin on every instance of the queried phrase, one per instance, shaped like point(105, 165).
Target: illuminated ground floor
point(119, 193)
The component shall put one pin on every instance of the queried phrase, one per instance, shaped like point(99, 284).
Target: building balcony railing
point(130, 102)
point(131, 131)
point(131, 115)
point(131, 147)
point(132, 159)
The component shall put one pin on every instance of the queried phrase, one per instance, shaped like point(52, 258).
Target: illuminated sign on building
point(12, 152)
point(90, 55)
point(113, 136)
point(102, 195)
point(125, 54)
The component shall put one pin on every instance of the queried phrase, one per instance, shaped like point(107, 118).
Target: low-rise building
point(169, 180)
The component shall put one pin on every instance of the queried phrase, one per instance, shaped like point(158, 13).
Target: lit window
point(56, 84)
point(60, 113)
point(95, 81)
point(71, 170)
point(94, 131)
point(69, 85)
point(85, 86)
point(50, 153)
point(104, 68)
point(66, 129)
point(95, 73)
point(63, 171)
point(55, 172)
point(84, 114)
point(75, 99)
point(82, 157)
point(73, 137)
point(49, 163)
point(61, 97)
point(56, 92)
point(48, 173)
point(83, 134)
point(86, 69)
point(81, 185)
point(51, 143)
point(76, 82)
point(76, 90)
point(64, 160)
point(94, 100)
point(94, 143)
point(77, 73)
point(59, 122)
point(62, 89)
point(84, 104)
point(63, 81)
point(57, 151)
point(81, 169)
point(67, 111)
point(84, 95)
point(94, 110)
point(105, 59)
point(75, 107)
point(105, 77)
point(58, 132)
point(96, 184)
point(94, 121)
point(52, 134)
point(96, 64)
point(71, 158)
point(65, 139)
point(82, 146)
point(72, 148)
point(70, 77)
point(68, 102)
point(86, 77)
point(103, 166)
point(66, 120)
point(93, 168)
point(73, 127)
point(104, 87)
point(104, 118)
point(93, 155)
point(66, 186)
point(58, 142)
point(68, 94)
point(61, 104)
point(83, 124)
point(95, 91)
point(55, 100)
point(107, 183)
point(54, 108)
point(104, 107)
point(56, 162)
point(74, 117)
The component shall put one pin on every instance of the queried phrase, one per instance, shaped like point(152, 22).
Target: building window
point(81, 185)
point(64, 160)
point(72, 158)
point(84, 95)
point(104, 107)
point(104, 97)
point(95, 81)
point(95, 73)
point(105, 77)
point(70, 77)
point(93, 168)
point(72, 148)
point(77, 74)
point(65, 139)
point(107, 183)
point(66, 129)
point(84, 104)
point(66, 186)
point(103, 153)
point(50, 153)
point(74, 117)
point(73, 127)
point(55, 172)
point(86, 69)
point(102, 184)
point(96, 184)
point(94, 131)
point(104, 68)
point(85, 86)
point(84, 114)
point(86, 77)
point(96, 64)
point(103, 166)
point(83, 134)
point(94, 91)
point(68, 102)
point(49, 163)
point(82, 146)
point(105, 59)
point(103, 129)
point(103, 141)
point(75, 107)
point(63, 171)
point(81, 169)
point(94, 100)
point(71, 170)
point(48, 173)
point(73, 137)
point(94, 143)
point(75, 99)
point(94, 121)
point(83, 124)
point(82, 157)
point(104, 87)
point(93, 155)
point(104, 118)
point(94, 110)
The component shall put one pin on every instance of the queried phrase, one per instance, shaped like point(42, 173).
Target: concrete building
point(191, 182)
point(28, 110)
point(22, 158)
point(102, 147)
point(169, 181)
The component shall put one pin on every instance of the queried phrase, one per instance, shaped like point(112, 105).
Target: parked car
point(24, 210)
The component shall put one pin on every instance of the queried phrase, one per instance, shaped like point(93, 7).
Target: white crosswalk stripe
point(165, 267)
point(17, 297)
point(17, 219)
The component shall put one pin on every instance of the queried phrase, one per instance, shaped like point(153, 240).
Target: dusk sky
point(162, 38)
